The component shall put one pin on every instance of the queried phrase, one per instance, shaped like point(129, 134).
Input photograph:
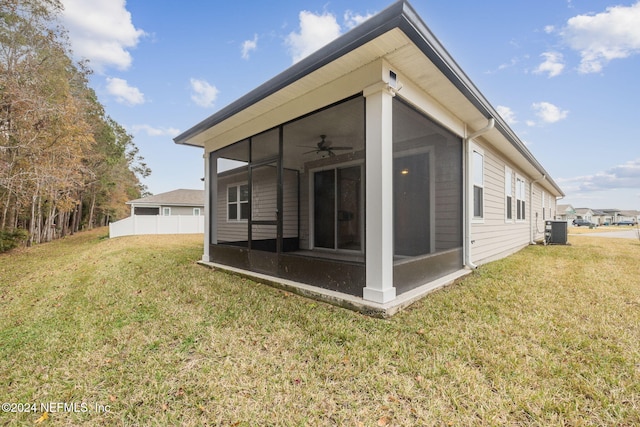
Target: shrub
point(10, 239)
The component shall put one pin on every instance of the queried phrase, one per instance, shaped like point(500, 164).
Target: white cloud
point(622, 176)
point(605, 36)
point(101, 31)
point(352, 19)
point(507, 114)
point(549, 29)
point(548, 112)
point(249, 46)
point(204, 94)
point(315, 32)
point(506, 65)
point(124, 93)
point(552, 65)
point(153, 131)
point(509, 64)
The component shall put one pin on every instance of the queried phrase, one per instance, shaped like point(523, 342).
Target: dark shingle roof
point(180, 197)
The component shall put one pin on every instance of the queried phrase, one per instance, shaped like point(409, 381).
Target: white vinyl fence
point(157, 224)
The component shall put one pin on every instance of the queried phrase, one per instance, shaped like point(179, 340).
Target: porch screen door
point(265, 218)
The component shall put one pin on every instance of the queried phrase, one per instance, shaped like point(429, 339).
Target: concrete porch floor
point(340, 299)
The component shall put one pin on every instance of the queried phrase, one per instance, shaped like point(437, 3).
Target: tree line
point(65, 165)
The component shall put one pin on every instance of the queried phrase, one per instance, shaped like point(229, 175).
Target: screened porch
point(290, 202)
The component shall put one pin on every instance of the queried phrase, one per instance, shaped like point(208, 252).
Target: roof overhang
point(397, 36)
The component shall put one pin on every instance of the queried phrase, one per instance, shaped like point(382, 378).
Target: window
point(196, 211)
point(544, 196)
point(520, 198)
point(508, 192)
point(166, 211)
point(478, 184)
point(238, 202)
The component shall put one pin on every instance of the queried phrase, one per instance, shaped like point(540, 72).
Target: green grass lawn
point(549, 336)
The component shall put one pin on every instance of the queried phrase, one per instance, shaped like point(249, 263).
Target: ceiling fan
point(324, 146)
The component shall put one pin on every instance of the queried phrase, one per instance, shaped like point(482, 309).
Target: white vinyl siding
point(178, 210)
point(496, 237)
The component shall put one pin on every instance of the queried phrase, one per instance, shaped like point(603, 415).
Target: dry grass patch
point(548, 336)
point(600, 229)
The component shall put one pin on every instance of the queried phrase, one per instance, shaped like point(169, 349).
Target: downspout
point(467, 206)
point(535, 181)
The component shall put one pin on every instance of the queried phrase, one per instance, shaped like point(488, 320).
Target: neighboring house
point(600, 217)
point(369, 172)
point(610, 215)
point(176, 202)
point(628, 216)
point(585, 214)
point(565, 213)
point(174, 212)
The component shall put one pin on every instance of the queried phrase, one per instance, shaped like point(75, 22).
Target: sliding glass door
point(337, 201)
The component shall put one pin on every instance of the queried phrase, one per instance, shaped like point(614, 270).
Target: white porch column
point(209, 170)
point(379, 195)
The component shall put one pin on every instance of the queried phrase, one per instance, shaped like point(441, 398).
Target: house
point(174, 212)
point(600, 217)
point(627, 216)
point(368, 173)
point(584, 213)
point(610, 216)
point(565, 213)
point(176, 202)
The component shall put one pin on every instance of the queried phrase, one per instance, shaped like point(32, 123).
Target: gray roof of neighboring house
point(583, 210)
point(399, 15)
point(609, 211)
point(563, 208)
point(180, 197)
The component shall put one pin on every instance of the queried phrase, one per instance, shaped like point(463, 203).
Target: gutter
point(468, 213)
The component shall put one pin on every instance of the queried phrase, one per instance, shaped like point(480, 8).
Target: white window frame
point(508, 192)
point(166, 211)
point(238, 202)
point(544, 198)
point(477, 150)
point(521, 190)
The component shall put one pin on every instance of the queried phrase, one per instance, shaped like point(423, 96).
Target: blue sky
point(563, 73)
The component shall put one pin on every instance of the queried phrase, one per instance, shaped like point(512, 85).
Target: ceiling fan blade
point(340, 148)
